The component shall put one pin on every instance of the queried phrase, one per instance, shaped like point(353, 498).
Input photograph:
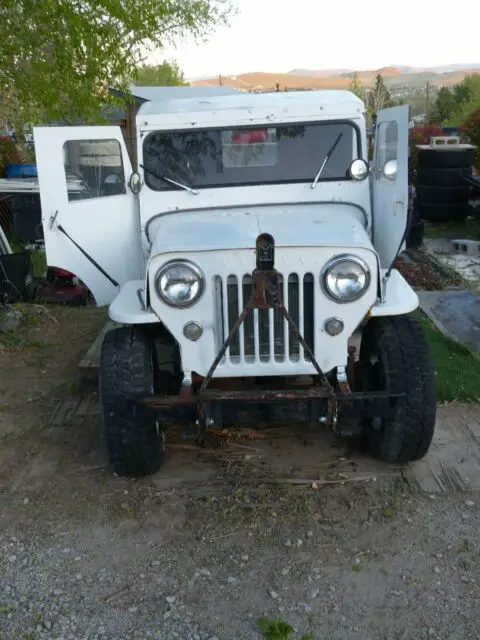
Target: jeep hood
point(332, 224)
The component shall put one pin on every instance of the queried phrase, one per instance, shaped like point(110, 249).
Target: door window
point(387, 144)
point(93, 169)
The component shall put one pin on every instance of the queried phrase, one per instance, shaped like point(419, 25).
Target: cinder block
point(467, 247)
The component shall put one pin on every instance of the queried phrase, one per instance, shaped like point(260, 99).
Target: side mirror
point(390, 170)
point(135, 183)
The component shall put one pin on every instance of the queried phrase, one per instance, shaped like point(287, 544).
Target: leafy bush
point(471, 128)
point(12, 153)
point(421, 135)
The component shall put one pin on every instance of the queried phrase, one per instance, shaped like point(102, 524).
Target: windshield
point(253, 156)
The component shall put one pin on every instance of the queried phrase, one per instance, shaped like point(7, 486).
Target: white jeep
point(250, 260)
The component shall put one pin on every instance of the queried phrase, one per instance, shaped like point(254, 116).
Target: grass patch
point(457, 368)
point(31, 332)
point(468, 229)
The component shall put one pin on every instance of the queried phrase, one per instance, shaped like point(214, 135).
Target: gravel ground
point(203, 549)
point(341, 563)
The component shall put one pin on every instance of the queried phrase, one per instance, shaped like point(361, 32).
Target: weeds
point(278, 630)
point(357, 566)
point(74, 388)
point(15, 340)
point(389, 511)
point(464, 546)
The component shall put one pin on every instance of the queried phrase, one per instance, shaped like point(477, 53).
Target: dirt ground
point(286, 523)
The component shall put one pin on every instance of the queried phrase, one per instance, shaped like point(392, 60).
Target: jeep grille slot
point(265, 335)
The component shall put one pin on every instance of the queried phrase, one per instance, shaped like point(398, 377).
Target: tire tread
point(134, 446)
point(430, 177)
point(442, 195)
point(409, 369)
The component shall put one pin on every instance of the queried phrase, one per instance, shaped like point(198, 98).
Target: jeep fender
point(128, 306)
point(399, 298)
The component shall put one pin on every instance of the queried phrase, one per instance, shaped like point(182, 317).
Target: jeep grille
point(265, 334)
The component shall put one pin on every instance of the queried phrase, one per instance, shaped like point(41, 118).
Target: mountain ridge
point(402, 69)
point(445, 75)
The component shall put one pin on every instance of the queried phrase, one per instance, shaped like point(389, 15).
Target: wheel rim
point(374, 379)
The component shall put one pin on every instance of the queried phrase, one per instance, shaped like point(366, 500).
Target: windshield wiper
point(180, 185)
point(327, 158)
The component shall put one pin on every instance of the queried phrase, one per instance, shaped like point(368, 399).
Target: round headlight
point(345, 278)
point(358, 169)
point(180, 283)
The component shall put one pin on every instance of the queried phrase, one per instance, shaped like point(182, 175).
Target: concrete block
point(467, 247)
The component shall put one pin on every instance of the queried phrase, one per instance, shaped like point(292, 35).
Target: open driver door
point(89, 211)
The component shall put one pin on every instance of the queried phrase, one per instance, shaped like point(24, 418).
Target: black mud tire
point(451, 158)
point(403, 365)
point(442, 177)
point(443, 212)
point(443, 195)
point(135, 442)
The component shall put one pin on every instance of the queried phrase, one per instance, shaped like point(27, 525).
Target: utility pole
point(220, 80)
point(428, 103)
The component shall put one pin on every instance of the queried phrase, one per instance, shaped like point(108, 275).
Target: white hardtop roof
point(323, 102)
point(160, 94)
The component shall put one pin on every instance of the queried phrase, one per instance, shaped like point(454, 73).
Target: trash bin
point(27, 217)
point(16, 171)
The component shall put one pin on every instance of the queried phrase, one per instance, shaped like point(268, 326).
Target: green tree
point(379, 97)
point(445, 105)
point(167, 74)
point(467, 99)
point(465, 90)
point(356, 87)
point(59, 57)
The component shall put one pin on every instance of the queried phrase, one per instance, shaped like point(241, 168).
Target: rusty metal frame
point(258, 395)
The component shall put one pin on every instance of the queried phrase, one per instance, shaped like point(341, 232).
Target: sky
point(280, 35)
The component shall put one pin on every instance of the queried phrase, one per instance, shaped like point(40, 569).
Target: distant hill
point(319, 73)
point(450, 67)
point(447, 75)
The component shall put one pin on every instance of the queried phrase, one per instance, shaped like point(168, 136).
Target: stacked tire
point(441, 191)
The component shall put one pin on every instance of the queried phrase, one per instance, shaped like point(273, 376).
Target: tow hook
point(342, 380)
